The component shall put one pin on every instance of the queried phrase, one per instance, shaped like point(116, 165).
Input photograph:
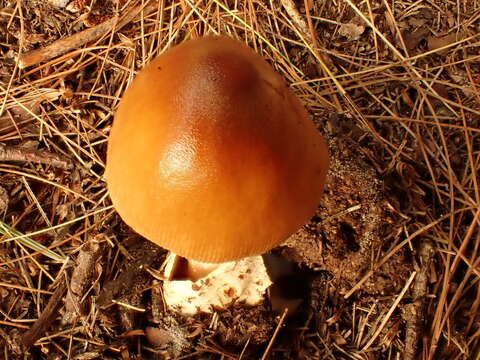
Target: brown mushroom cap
point(211, 156)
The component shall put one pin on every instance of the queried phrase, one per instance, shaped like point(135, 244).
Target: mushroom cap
point(211, 156)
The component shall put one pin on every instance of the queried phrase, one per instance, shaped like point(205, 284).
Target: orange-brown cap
point(211, 156)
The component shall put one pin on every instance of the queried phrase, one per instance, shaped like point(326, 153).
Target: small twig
point(77, 40)
point(275, 334)
point(309, 34)
point(83, 276)
point(128, 306)
point(62, 46)
point(244, 349)
point(24, 288)
point(46, 318)
point(13, 324)
point(416, 310)
point(396, 248)
point(18, 153)
point(297, 18)
point(390, 312)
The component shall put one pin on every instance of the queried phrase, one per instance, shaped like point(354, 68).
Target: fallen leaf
point(413, 38)
point(407, 98)
point(339, 339)
point(351, 31)
point(58, 3)
point(441, 90)
point(158, 337)
point(451, 20)
point(435, 42)
point(426, 12)
point(439, 106)
point(417, 21)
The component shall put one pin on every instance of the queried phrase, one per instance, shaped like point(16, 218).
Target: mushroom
point(212, 157)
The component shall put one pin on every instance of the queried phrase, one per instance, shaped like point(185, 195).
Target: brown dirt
point(351, 228)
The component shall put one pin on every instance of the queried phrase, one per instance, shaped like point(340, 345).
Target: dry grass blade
point(29, 242)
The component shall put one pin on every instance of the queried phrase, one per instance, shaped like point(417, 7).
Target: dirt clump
point(348, 233)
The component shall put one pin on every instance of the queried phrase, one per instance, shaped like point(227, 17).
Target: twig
point(309, 34)
point(416, 311)
point(390, 312)
point(83, 276)
point(46, 319)
point(62, 46)
point(275, 334)
point(77, 40)
point(18, 153)
point(24, 288)
point(297, 18)
point(384, 259)
point(13, 324)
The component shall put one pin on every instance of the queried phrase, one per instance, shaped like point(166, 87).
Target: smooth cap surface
point(211, 156)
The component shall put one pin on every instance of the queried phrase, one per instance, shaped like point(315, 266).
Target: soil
point(350, 231)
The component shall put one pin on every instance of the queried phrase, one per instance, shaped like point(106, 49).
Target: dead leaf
point(158, 337)
point(426, 12)
point(406, 98)
point(417, 21)
point(23, 109)
point(435, 42)
point(441, 90)
point(339, 339)
point(351, 31)
point(76, 6)
point(58, 3)
point(33, 38)
point(413, 38)
point(438, 104)
point(451, 20)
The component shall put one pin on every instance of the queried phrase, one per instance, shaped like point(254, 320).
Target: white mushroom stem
point(244, 281)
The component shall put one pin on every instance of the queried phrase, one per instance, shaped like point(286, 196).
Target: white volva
point(244, 281)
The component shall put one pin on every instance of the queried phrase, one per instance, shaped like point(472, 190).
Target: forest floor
point(388, 268)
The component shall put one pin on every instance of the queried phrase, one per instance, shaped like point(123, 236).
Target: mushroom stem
point(180, 268)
